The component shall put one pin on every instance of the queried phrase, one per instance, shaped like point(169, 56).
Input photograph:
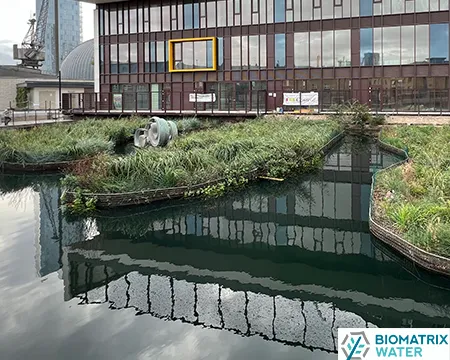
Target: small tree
point(22, 98)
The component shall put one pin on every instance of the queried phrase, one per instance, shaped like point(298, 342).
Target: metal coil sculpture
point(157, 133)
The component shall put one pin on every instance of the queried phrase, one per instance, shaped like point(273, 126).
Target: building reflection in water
point(290, 262)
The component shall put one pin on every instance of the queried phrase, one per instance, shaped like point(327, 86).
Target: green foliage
point(80, 205)
point(22, 98)
point(65, 142)
point(353, 114)
point(186, 125)
point(420, 206)
point(220, 188)
point(274, 146)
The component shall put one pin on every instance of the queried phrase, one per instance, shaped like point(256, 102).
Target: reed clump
point(414, 199)
point(274, 146)
point(66, 142)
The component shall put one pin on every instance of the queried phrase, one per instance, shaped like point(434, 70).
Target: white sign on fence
point(310, 99)
point(202, 98)
point(291, 99)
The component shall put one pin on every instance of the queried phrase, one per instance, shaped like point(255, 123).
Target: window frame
point(205, 39)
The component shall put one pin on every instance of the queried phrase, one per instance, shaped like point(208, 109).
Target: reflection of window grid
point(176, 56)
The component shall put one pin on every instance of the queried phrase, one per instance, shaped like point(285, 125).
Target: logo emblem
point(355, 345)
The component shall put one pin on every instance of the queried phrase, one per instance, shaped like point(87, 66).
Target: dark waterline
point(269, 272)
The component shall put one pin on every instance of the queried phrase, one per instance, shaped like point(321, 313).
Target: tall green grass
point(274, 146)
point(65, 142)
point(420, 206)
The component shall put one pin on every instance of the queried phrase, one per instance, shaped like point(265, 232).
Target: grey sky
point(13, 25)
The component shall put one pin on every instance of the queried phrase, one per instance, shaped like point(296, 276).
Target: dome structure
point(79, 64)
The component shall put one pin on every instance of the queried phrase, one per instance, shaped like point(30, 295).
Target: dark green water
point(269, 272)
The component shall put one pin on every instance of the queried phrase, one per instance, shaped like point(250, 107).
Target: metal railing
point(253, 102)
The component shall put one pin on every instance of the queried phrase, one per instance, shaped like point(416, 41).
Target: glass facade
point(70, 34)
point(404, 45)
point(193, 55)
point(161, 44)
point(221, 13)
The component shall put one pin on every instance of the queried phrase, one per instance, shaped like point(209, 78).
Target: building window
point(249, 52)
point(124, 66)
point(113, 22)
point(327, 9)
point(366, 48)
point(327, 48)
point(422, 43)
point(106, 21)
point(155, 18)
point(146, 19)
point(221, 13)
point(315, 49)
point(342, 48)
point(101, 22)
point(193, 54)
point(219, 53)
point(166, 20)
point(391, 45)
point(113, 59)
point(152, 57)
point(280, 10)
point(133, 59)
point(246, 12)
point(120, 20)
point(211, 13)
point(439, 43)
point(407, 41)
point(366, 8)
point(269, 11)
point(147, 57)
point(301, 49)
point(160, 56)
point(307, 10)
point(102, 59)
point(280, 50)
point(236, 52)
point(191, 16)
point(133, 21)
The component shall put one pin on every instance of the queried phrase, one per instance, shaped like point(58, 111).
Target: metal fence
point(254, 102)
point(228, 102)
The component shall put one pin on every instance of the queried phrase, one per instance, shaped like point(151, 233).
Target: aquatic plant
point(415, 197)
point(66, 141)
point(352, 114)
point(274, 146)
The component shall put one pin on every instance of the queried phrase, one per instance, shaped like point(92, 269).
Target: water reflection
point(288, 262)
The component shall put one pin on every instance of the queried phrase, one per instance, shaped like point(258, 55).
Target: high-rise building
point(241, 56)
point(70, 33)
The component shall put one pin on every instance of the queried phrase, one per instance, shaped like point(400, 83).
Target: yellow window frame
point(172, 54)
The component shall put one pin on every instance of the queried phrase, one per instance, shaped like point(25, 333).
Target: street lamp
point(59, 89)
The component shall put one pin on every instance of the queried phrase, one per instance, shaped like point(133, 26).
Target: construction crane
point(32, 53)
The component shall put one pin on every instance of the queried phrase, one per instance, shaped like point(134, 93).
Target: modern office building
point(243, 55)
point(70, 34)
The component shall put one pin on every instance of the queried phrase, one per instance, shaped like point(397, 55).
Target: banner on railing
point(202, 97)
point(310, 99)
point(291, 99)
point(301, 99)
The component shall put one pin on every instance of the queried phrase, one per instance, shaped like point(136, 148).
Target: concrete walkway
point(20, 122)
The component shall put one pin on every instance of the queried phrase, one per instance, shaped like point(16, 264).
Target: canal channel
point(271, 271)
